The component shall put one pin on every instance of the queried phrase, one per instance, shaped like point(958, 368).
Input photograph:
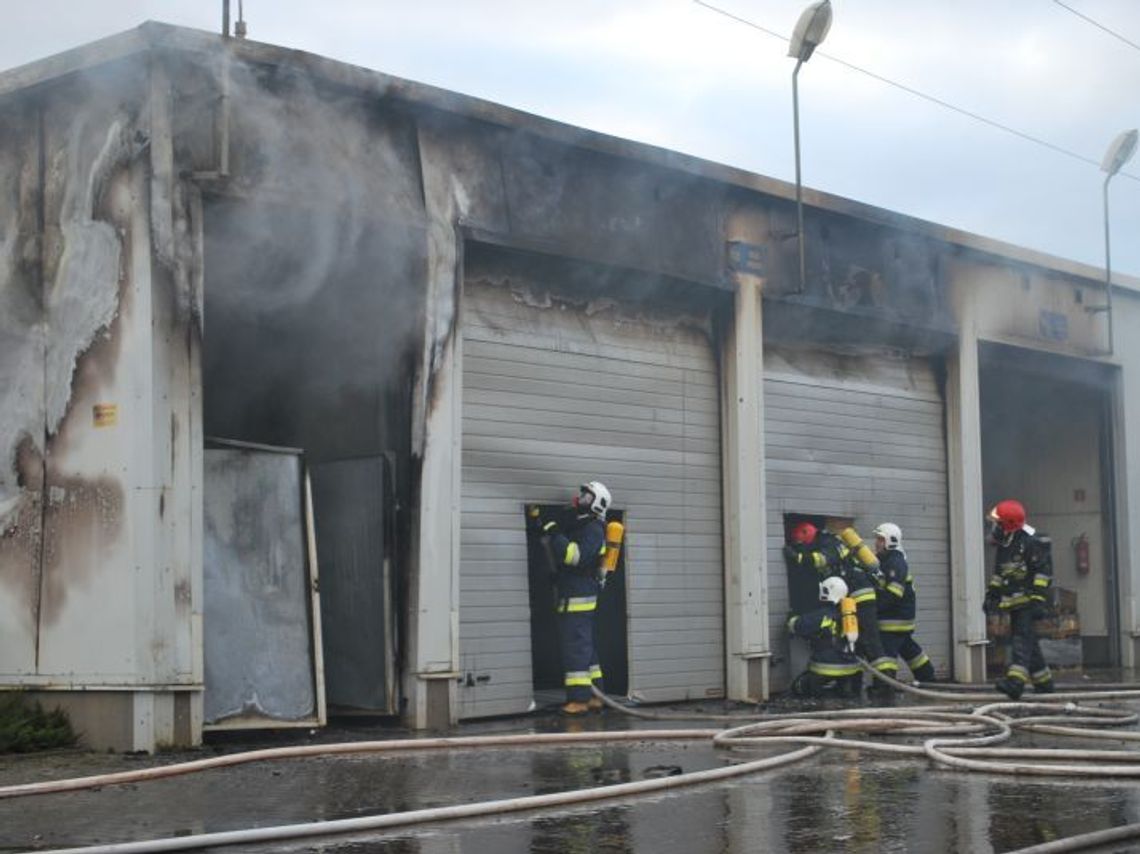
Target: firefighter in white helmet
point(578, 542)
point(897, 606)
point(832, 666)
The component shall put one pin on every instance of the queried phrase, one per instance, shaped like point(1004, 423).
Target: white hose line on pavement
point(960, 696)
point(1084, 841)
point(388, 746)
point(438, 814)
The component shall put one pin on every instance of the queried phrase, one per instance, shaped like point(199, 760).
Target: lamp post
point(1119, 153)
point(810, 31)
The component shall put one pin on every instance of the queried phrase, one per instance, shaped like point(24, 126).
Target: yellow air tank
point(850, 621)
point(861, 550)
point(615, 533)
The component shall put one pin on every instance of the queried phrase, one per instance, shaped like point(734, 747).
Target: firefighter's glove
point(1039, 610)
point(990, 604)
point(792, 555)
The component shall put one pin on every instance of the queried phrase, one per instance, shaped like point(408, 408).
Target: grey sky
point(675, 74)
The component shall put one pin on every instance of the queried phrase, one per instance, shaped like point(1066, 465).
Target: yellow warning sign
point(106, 414)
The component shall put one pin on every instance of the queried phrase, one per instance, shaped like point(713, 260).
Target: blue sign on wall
point(1053, 326)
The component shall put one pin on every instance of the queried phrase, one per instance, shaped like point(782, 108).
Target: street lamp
point(1119, 153)
point(810, 31)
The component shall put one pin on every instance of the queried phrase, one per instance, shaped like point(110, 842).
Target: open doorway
point(1047, 442)
point(309, 330)
point(609, 620)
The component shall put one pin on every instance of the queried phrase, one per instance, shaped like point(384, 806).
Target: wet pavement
point(840, 800)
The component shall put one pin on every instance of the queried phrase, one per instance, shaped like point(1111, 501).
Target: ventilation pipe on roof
point(221, 168)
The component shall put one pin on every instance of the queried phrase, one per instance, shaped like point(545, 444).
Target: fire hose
point(953, 735)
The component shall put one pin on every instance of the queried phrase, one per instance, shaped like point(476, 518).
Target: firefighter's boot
point(1046, 687)
point(574, 709)
point(595, 704)
point(1012, 688)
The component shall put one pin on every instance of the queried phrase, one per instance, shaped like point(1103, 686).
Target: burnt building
point(287, 345)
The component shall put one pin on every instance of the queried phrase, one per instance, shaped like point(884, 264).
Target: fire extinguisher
point(1081, 547)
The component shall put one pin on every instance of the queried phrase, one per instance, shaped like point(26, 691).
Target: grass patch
point(25, 727)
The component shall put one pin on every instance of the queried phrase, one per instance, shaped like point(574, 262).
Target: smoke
point(312, 267)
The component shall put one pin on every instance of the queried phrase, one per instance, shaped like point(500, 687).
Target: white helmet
point(599, 498)
point(832, 589)
point(891, 534)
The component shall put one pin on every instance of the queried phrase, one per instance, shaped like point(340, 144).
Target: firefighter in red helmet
point(1020, 585)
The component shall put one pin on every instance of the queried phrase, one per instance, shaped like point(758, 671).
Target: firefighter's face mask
point(998, 535)
point(583, 501)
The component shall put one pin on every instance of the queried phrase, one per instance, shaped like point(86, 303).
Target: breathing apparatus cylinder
point(615, 533)
point(850, 621)
point(861, 550)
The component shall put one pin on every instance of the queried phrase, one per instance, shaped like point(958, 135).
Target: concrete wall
point(98, 412)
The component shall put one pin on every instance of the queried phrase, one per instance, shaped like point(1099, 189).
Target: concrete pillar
point(745, 520)
point(432, 658)
point(964, 459)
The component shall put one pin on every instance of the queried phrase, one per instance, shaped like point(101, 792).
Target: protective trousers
point(579, 655)
point(1028, 663)
point(870, 644)
point(903, 644)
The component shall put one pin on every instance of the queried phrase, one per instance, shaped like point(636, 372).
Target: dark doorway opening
point(1047, 441)
point(610, 624)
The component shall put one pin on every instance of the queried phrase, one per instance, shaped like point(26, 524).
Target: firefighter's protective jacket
point(577, 552)
point(826, 554)
point(823, 628)
point(896, 593)
point(1023, 572)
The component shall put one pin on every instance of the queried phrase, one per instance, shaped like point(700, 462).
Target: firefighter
point(832, 664)
point(577, 542)
point(829, 556)
point(1023, 575)
point(897, 606)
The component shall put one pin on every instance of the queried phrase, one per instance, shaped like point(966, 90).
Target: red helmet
point(1009, 515)
point(804, 533)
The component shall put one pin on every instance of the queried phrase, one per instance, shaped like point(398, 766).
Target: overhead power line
point(1098, 25)
point(1028, 137)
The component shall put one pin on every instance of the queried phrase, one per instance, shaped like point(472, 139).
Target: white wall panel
point(553, 396)
point(859, 437)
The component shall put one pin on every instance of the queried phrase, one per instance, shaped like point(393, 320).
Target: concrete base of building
point(129, 721)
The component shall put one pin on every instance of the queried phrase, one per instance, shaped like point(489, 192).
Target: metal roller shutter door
point(553, 396)
point(860, 437)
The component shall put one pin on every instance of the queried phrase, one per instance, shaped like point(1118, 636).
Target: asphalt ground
point(841, 800)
